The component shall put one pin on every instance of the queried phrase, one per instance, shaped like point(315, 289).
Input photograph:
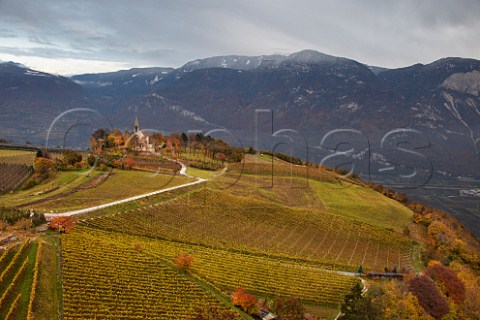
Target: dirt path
point(94, 182)
point(110, 204)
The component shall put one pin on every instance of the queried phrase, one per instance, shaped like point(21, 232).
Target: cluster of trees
point(113, 144)
point(440, 292)
point(18, 219)
point(358, 306)
point(400, 197)
point(448, 240)
point(392, 302)
point(43, 169)
point(210, 147)
point(45, 166)
point(449, 287)
point(286, 308)
point(173, 144)
point(105, 139)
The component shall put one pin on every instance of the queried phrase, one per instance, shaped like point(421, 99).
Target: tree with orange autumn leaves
point(63, 224)
point(183, 262)
point(244, 300)
point(174, 146)
point(397, 303)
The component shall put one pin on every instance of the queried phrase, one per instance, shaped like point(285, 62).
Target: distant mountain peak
point(12, 63)
point(237, 62)
point(375, 69)
point(312, 56)
point(20, 69)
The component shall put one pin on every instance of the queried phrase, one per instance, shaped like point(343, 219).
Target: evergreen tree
point(358, 307)
point(351, 299)
point(360, 269)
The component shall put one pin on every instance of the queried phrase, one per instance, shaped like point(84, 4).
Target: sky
point(90, 36)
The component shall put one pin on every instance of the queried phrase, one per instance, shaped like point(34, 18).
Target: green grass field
point(363, 204)
point(318, 193)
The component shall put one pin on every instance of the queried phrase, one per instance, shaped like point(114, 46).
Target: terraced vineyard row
point(15, 167)
point(105, 279)
point(266, 276)
point(17, 269)
point(152, 164)
point(12, 175)
point(283, 170)
point(18, 157)
point(216, 219)
point(119, 184)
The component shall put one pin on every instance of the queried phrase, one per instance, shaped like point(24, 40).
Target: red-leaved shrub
point(428, 296)
point(448, 281)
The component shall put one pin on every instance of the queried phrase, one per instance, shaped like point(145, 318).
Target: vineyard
point(15, 167)
point(221, 270)
point(200, 160)
point(106, 278)
point(223, 220)
point(120, 184)
point(281, 231)
point(284, 169)
point(154, 164)
point(18, 281)
point(12, 175)
point(338, 197)
point(26, 158)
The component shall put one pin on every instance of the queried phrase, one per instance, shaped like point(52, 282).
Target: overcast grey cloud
point(66, 36)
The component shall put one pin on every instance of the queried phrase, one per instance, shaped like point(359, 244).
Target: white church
point(142, 141)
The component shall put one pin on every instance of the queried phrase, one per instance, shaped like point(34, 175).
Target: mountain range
point(413, 123)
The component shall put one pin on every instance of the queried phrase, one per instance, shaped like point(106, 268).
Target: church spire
point(136, 126)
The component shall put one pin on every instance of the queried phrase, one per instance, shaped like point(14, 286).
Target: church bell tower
point(136, 125)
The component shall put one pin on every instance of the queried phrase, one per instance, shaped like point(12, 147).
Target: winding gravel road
point(183, 172)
